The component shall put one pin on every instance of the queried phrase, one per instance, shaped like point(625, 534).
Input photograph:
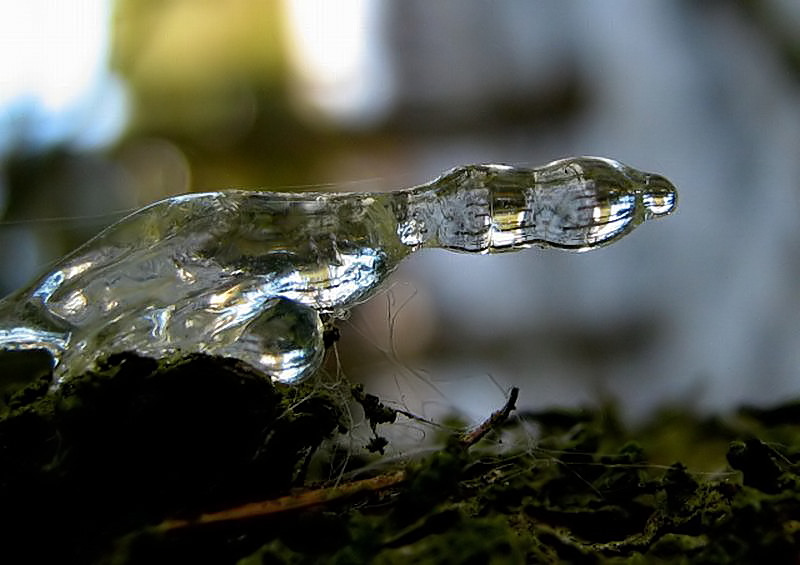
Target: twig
point(471, 438)
point(291, 502)
point(329, 494)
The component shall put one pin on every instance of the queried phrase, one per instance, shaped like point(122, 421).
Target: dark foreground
point(203, 460)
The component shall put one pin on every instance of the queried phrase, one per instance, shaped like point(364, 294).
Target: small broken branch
point(471, 438)
point(327, 495)
point(290, 502)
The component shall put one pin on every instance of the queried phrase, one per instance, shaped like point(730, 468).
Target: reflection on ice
point(247, 274)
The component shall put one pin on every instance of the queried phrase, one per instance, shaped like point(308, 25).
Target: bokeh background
point(108, 105)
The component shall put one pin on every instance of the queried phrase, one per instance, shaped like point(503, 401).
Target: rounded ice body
point(247, 274)
point(576, 204)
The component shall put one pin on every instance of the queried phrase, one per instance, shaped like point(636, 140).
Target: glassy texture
point(247, 274)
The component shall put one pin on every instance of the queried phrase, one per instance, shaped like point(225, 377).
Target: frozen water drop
point(247, 274)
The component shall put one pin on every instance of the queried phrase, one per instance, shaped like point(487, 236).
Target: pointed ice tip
point(659, 196)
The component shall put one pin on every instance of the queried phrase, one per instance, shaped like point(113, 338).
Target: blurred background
point(108, 105)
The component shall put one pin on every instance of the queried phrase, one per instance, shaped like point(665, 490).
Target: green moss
point(86, 472)
point(137, 441)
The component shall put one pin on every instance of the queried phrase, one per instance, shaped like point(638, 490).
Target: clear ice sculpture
point(248, 274)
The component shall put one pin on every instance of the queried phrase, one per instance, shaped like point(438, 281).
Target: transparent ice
point(248, 274)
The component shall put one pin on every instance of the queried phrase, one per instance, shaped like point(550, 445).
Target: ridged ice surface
point(247, 274)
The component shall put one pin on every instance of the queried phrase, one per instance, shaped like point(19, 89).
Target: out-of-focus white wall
point(699, 309)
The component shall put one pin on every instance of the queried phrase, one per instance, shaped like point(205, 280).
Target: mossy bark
point(117, 467)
